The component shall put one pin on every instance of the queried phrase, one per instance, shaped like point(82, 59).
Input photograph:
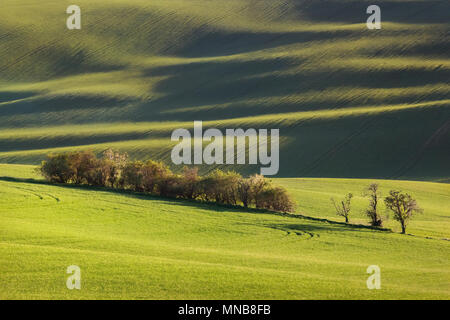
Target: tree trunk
point(346, 219)
point(403, 229)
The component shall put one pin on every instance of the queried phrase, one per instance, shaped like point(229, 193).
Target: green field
point(353, 106)
point(132, 246)
point(349, 102)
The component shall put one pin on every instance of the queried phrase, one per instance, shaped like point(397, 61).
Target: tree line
point(115, 170)
point(402, 205)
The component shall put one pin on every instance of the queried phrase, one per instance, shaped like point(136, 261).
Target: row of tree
point(114, 169)
point(402, 205)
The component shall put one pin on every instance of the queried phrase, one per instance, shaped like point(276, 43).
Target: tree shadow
point(309, 230)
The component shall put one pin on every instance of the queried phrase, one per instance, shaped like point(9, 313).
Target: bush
point(87, 168)
point(191, 183)
point(113, 164)
point(276, 199)
point(153, 174)
point(171, 186)
point(132, 176)
point(244, 191)
point(223, 186)
point(114, 170)
point(57, 168)
point(257, 185)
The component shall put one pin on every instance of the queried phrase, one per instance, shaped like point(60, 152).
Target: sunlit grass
point(139, 69)
point(131, 246)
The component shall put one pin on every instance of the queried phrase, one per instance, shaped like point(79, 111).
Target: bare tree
point(343, 207)
point(403, 206)
point(373, 210)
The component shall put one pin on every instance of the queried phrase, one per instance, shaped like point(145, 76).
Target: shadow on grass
point(353, 11)
point(201, 205)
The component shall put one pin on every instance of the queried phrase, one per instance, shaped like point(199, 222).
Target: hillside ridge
point(349, 102)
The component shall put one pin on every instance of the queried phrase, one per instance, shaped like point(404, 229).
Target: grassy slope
point(350, 102)
point(132, 246)
point(313, 198)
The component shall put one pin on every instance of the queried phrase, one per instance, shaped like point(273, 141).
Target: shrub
point(223, 186)
point(244, 191)
point(114, 170)
point(257, 185)
point(57, 168)
point(277, 199)
point(153, 173)
point(191, 183)
point(87, 168)
point(113, 164)
point(132, 176)
point(206, 189)
point(171, 186)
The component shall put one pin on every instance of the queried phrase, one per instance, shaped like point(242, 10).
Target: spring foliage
point(115, 170)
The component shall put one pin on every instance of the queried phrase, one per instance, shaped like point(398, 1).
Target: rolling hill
point(134, 246)
point(349, 102)
point(353, 106)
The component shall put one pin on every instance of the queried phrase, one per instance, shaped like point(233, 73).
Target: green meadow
point(354, 106)
point(134, 246)
point(349, 102)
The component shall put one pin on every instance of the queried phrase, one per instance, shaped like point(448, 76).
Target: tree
point(373, 210)
point(343, 208)
point(403, 206)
